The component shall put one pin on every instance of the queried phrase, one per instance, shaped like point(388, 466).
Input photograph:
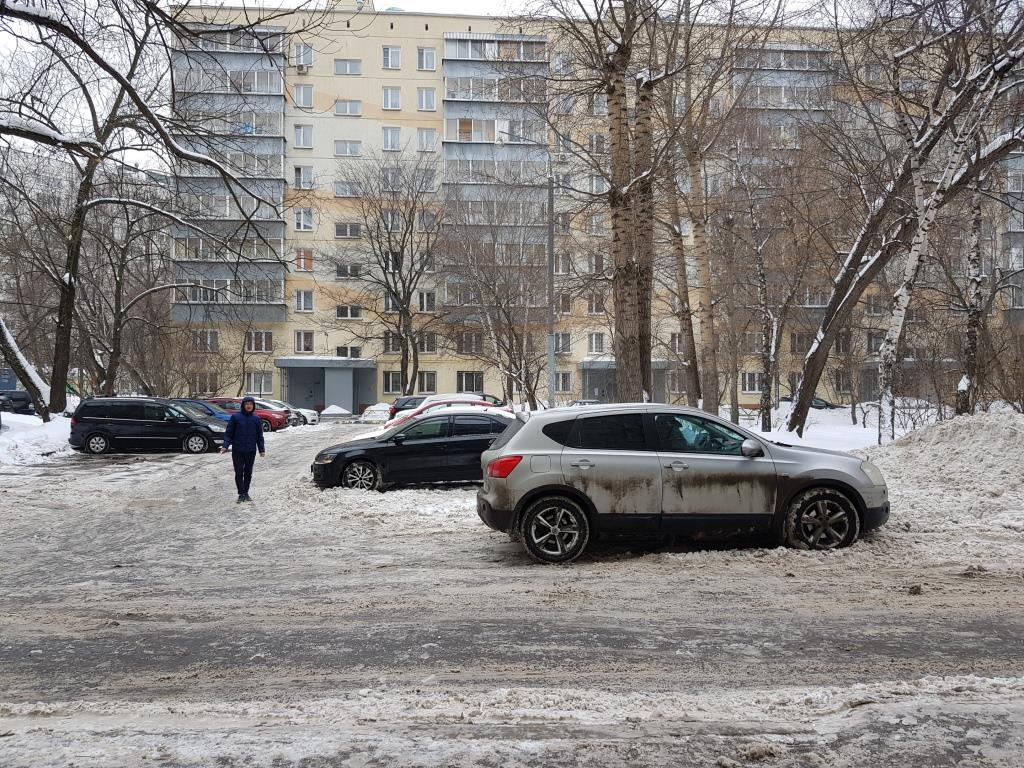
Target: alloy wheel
point(360, 475)
point(554, 531)
point(824, 524)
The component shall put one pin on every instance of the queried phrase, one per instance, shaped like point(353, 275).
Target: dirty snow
point(27, 440)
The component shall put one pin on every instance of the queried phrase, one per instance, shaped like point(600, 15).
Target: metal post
point(551, 286)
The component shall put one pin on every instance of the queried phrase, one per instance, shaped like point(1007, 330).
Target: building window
point(349, 271)
point(426, 139)
point(427, 342)
point(392, 382)
point(563, 381)
point(346, 189)
point(470, 343)
point(392, 139)
point(425, 99)
point(303, 136)
point(303, 96)
point(597, 185)
point(304, 259)
point(596, 263)
point(347, 230)
point(391, 302)
point(303, 177)
point(348, 312)
point(426, 382)
point(563, 263)
point(348, 107)
point(563, 303)
point(469, 129)
point(259, 383)
point(392, 57)
point(843, 381)
point(348, 66)
point(875, 305)
point(392, 343)
point(595, 343)
point(598, 143)
point(814, 297)
point(469, 381)
point(599, 104)
point(595, 304)
point(348, 148)
point(302, 55)
point(392, 97)
point(303, 301)
point(875, 341)
point(843, 343)
point(676, 382)
point(751, 382)
point(204, 383)
point(426, 59)
point(350, 351)
point(304, 341)
point(674, 342)
point(259, 341)
point(563, 344)
point(207, 340)
point(304, 219)
point(427, 301)
point(753, 343)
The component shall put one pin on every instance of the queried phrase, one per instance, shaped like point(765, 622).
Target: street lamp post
point(551, 286)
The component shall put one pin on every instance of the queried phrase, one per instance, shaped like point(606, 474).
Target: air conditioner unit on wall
point(302, 68)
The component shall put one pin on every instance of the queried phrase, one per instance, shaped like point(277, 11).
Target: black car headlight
point(325, 458)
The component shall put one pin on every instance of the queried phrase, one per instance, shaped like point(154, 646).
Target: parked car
point(209, 409)
point(430, 449)
point(294, 418)
point(490, 399)
point(404, 403)
point(102, 424)
point(17, 401)
point(558, 479)
point(816, 402)
point(272, 419)
point(432, 407)
point(306, 415)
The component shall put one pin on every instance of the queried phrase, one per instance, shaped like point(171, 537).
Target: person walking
point(244, 437)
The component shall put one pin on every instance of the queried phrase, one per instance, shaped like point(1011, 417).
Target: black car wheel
point(97, 444)
point(555, 530)
point(196, 443)
point(362, 475)
point(266, 425)
point(820, 519)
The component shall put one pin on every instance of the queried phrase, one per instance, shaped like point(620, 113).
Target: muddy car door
point(609, 459)
point(705, 472)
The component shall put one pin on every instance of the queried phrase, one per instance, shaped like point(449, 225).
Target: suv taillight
point(74, 422)
point(502, 468)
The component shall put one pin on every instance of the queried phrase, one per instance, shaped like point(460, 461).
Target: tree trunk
point(967, 389)
point(688, 345)
point(27, 375)
point(704, 310)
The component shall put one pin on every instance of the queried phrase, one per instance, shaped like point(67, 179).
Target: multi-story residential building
point(279, 263)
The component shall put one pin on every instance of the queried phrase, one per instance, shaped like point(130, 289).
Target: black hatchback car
point(103, 424)
point(16, 401)
point(431, 449)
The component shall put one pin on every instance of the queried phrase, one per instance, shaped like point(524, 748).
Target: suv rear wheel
point(97, 443)
point(196, 443)
point(821, 518)
point(555, 530)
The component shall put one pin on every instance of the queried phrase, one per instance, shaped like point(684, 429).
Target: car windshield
point(184, 410)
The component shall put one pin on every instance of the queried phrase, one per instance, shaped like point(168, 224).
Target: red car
point(271, 420)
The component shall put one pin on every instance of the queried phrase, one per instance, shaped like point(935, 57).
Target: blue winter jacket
point(244, 431)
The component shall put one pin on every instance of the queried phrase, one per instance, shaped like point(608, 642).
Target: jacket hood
point(245, 400)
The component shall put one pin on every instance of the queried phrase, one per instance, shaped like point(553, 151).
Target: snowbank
point(335, 410)
point(965, 471)
point(27, 440)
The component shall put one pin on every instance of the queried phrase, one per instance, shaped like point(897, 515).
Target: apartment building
point(279, 297)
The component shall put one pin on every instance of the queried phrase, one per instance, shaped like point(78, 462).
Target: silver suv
point(560, 478)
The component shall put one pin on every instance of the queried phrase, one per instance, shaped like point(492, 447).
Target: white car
point(309, 416)
point(462, 396)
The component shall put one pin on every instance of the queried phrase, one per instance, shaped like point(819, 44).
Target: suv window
point(691, 434)
point(427, 429)
point(124, 411)
point(622, 432)
point(559, 431)
point(507, 434)
point(155, 412)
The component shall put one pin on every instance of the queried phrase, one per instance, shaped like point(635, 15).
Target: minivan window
point(622, 432)
point(155, 412)
point(131, 411)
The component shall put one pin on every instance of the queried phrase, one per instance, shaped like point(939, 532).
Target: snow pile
point(27, 440)
point(335, 410)
point(965, 472)
point(376, 414)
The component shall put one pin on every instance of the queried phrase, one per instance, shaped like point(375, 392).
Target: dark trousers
point(243, 470)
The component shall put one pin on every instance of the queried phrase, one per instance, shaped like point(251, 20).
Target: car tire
point(97, 444)
point(821, 519)
point(360, 475)
point(195, 443)
point(267, 426)
point(305, 421)
point(554, 530)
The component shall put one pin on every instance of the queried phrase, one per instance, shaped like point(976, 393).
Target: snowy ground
point(147, 620)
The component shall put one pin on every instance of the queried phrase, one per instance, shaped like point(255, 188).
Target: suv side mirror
point(398, 439)
point(751, 448)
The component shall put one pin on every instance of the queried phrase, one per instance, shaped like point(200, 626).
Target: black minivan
point(103, 424)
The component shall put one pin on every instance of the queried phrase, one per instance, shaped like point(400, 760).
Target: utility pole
point(551, 286)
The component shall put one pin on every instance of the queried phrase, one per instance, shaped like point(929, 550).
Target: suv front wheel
point(555, 530)
point(821, 518)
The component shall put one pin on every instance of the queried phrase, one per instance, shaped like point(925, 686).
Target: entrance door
point(609, 459)
point(705, 473)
